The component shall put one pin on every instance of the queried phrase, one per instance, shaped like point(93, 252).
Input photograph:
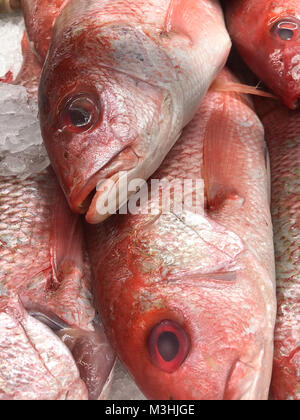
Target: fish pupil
point(168, 345)
point(286, 34)
point(79, 117)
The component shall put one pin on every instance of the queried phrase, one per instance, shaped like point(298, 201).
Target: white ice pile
point(22, 152)
point(21, 147)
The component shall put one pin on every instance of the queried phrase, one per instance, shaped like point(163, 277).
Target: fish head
point(185, 328)
point(98, 120)
point(267, 34)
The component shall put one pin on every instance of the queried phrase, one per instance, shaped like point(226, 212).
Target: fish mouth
point(79, 342)
point(106, 191)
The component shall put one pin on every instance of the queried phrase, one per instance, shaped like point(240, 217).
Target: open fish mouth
point(43, 358)
point(107, 190)
point(95, 370)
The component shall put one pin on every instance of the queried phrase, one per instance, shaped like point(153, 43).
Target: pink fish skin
point(197, 287)
point(283, 133)
point(121, 80)
point(267, 35)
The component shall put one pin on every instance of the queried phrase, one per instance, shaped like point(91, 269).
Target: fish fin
point(220, 85)
point(66, 247)
point(219, 163)
point(29, 74)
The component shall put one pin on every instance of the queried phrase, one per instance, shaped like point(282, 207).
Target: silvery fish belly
point(187, 293)
point(121, 80)
point(51, 347)
point(283, 137)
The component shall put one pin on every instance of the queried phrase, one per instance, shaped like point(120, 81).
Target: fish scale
point(283, 138)
point(25, 226)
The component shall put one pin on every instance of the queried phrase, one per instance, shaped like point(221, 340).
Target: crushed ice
point(22, 152)
point(11, 34)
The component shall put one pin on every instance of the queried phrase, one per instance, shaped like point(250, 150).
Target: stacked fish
point(164, 151)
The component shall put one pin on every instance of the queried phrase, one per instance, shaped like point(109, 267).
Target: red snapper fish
point(267, 35)
point(121, 80)
point(197, 286)
point(283, 137)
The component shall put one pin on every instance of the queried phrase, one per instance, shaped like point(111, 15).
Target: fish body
point(283, 137)
point(267, 35)
point(196, 285)
point(121, 80)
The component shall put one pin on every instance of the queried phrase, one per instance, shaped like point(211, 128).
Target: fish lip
point(81, 202)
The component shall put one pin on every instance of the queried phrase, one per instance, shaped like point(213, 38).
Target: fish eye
point(81, 112)
point(287, 29)
point(168, 346)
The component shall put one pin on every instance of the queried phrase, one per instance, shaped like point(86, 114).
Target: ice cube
point(11, 34)
point(21, 146)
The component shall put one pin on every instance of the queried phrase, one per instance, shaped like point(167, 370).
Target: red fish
point(197, 286)
point(283, 133)
point(121, 80)
point(267, 35)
